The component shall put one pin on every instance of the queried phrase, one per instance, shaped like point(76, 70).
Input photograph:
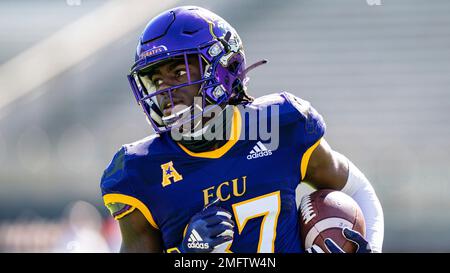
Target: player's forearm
point(360, 189)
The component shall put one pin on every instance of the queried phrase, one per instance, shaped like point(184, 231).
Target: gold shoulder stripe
point(129, 200)
point(305, 158)
point(118, 217)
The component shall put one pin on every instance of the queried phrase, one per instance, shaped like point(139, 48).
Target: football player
point(181, 190)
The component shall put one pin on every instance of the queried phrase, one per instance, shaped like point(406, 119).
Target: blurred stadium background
point(379, 74)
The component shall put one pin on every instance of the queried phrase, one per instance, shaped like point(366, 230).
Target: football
point(324, 213)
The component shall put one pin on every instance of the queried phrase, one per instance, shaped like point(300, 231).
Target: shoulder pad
point(140, 147)
point(302, 106)
point(266, 100)
point(117, 164)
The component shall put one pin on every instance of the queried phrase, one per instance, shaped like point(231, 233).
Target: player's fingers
point(311, 250)
point(352, 235)
point(355, 237)
point(220, 211)
point(222, 240)
point(332, 247)
point(215, 210)
point(215, 220)
point(224, 213)
point(222, 247)
point(217, 227)
point(220, 215)
point(223, 229)
point(227, 232)
point(228, 223)
point(315, 249)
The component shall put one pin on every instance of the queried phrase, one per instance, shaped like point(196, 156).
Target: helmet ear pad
point(228, 76)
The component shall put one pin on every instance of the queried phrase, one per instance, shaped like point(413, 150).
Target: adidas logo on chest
point(259, 150)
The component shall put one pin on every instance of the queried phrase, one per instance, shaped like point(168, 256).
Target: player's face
point(172, 73)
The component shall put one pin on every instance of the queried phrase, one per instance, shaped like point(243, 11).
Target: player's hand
point(209, 231)
point(353, 236)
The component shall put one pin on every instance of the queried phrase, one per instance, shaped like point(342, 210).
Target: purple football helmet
point(184, 32)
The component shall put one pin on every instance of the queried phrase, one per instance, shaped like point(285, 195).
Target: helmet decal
point(153, 51)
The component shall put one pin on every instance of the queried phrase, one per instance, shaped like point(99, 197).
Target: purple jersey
point(255, 182)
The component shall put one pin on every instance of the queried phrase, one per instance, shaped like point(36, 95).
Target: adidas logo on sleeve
point(195, 241)
point(259, 150)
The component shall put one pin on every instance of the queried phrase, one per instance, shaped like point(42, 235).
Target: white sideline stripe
point(72, 44)
point(322, 225)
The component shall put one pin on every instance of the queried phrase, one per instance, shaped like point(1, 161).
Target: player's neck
point(205, 144)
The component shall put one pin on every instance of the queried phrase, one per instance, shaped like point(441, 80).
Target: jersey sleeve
point(309, 128)
point(117, 189)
